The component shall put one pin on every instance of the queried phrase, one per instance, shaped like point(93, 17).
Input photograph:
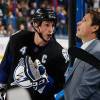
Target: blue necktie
point(68, 71)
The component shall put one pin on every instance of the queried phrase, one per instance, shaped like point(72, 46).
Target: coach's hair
point(95, 16)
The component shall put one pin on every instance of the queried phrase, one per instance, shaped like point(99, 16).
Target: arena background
point(69, 12)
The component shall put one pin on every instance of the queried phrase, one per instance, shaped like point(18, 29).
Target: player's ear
point(35, 25)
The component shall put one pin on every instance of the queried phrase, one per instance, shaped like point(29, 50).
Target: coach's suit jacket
point(83, 79)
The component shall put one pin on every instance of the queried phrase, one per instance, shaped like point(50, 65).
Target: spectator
point(10, 30)
point(2, 29)
point(11, 19)
point(61, 21)
point(20, 19)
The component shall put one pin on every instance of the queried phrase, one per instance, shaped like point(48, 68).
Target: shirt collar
point(86, 44)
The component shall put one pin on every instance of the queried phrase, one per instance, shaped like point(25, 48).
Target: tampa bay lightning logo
point(65, 55)
point(30, 74)
point(19, 76)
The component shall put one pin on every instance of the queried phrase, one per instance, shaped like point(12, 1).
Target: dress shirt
point(86, 44)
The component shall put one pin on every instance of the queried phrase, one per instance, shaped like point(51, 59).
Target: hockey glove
point(2, 93)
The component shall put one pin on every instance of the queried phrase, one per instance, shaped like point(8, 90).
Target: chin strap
point(40, 34)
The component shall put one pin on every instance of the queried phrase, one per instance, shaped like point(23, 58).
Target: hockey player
point(34, 60)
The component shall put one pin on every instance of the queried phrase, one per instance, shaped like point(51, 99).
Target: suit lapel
point(70, 70)
point(90, 47)
point(69, 74)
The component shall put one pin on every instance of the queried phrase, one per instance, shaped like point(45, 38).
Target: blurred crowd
point(94, 4)
point(16, 15)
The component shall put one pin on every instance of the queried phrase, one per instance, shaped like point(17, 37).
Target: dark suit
point(83, 79)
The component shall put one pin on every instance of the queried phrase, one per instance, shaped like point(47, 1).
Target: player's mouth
point(49, 37)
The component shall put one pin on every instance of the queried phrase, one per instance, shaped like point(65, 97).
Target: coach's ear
point(95, 28)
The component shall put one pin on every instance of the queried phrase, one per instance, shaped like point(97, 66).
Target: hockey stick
point(85, 56)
